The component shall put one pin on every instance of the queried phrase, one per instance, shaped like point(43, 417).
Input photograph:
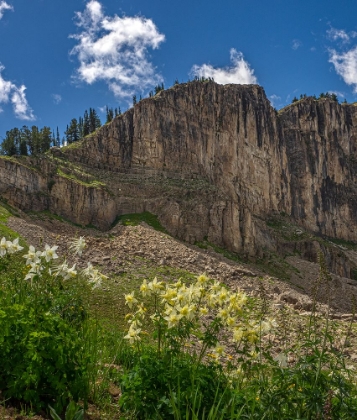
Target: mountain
point(218, 165)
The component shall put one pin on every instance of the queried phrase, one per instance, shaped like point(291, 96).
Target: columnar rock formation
point(212, 161)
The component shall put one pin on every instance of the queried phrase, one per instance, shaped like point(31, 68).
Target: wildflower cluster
point(39, 262)
point(9, 247)
point(203, 313)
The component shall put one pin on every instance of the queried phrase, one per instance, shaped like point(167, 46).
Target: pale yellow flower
point(130, 300)
point(144, 288)
point(173, 318)
point(202, 279)
point(155, 285)
point(237, 334)
point(204, 310)
point(219, 350)
point(133, 335)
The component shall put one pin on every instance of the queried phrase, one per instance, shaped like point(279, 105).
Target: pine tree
point(58, 138)
point(72, 132)
point(134, 100)
point(86, 124)
point(80, 127)
point(45, 139)
point(109, 114)
point(94, 120)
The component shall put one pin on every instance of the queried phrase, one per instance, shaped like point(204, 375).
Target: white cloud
point(10, 92)
point(346, 65)
point(296, 44)
point(337, 93)
point(115, 50)
point(239, 72)
point(56, 98)
point(338, 34)
point(4, 6)
point(274, 99)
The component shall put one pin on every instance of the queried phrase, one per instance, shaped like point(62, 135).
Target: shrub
point(43, 326)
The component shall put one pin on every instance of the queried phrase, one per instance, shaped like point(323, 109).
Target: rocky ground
point(125, 251)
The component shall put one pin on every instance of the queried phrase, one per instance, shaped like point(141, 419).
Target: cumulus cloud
point(239, 72)
point(16, 95)
point(345, 64)
point(115, 50)
point(338, 34)
point(4, 6)
point(56, 98)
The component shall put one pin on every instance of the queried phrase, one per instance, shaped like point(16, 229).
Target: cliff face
point(212, 161)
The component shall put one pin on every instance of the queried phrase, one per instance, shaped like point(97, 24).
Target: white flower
point(32, 256)
point(61, 270)
point(3, 247)
point(133, 335)
point(50, 253)
point(13, 246)
point(93, 275)
point(71, 272)
point(34, 270)
point(78, 245)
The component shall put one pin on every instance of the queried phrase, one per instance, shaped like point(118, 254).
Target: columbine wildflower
point(237, 335)
point(155, 285)
point(71, 272)
point(133, 335)
point(186, 311)
point(32, 256)
point(130, 299)
point(34, 270)
point(93, 275)
point(3, 247)
point(61, 270)
point(173, 318)
point(50, 253)
point(13, 246)
point(204, 310)
point(78, 245)
point(144, 288)
point(202, 279)
point(219, 350)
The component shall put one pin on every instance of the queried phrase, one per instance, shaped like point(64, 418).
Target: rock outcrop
point(212, 161)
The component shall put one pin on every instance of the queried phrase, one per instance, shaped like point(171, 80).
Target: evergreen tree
point(10, 145)
point(109, 114)
point(45, 139)
point(72, 132)
point(134, 100)
point(58, 138)
point(86, 124)
point(94, 120)
point(80, 127)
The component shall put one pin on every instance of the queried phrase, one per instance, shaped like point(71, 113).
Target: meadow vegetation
point(184, 349)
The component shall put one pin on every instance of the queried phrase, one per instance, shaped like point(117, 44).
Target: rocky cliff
point(213, 162)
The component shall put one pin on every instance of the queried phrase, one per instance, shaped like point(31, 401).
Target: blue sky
point(58, 58)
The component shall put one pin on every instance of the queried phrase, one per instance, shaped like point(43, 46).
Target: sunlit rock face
point(211, 161)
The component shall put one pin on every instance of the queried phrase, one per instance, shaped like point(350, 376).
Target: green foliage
point(26, 141)
point(73, 412)
point(43, 331)
point(158, 386)
point(135, 219)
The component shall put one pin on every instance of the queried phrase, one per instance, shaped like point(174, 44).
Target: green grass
point(5, 212)
point(72, 177)
point(134, 219)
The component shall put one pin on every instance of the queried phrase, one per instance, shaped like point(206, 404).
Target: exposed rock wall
point(248, 161)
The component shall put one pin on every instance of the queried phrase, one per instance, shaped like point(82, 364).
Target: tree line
point(33, 140)
point(327, 95)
